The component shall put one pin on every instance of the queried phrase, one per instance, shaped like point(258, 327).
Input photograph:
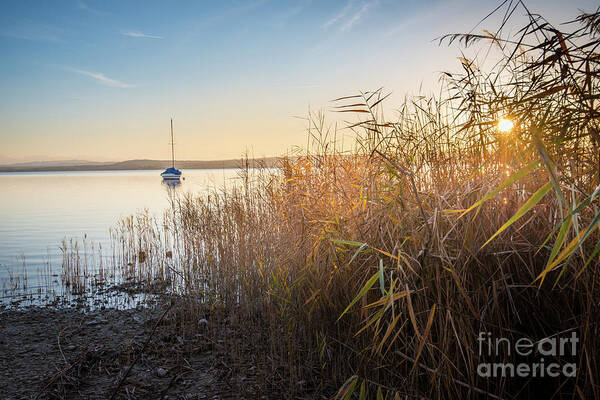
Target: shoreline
point(151, 351)
point(137, 165)
point(68, 353)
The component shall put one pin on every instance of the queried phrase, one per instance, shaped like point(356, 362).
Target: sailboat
point(171, 174)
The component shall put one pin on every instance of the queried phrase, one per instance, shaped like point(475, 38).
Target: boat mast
point(172, 146)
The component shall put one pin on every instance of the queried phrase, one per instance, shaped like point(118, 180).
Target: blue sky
point(100, 80)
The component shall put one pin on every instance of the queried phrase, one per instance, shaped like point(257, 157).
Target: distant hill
point(53, 163)
point(267, 162)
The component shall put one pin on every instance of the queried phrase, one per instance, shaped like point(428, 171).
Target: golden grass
point(373, 271)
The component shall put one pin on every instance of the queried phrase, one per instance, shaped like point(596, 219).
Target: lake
point(38, 210)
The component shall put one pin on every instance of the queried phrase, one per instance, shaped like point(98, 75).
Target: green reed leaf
point(509, 181)
point(560, 240)
point(381, 278)
point(347, 388)
point(589, 230)
point(529, 204)
point(363, 392)
point(589, 260)
point(362, 292)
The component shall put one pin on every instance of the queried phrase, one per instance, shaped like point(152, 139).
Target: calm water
point(38, 210)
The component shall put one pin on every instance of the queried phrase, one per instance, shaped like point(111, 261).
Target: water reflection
point(171, 183)
point(38, 210)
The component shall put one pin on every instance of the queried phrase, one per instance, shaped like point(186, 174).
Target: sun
point(505, 125)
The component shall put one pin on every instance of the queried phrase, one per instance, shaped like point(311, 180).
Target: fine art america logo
point(539, 358)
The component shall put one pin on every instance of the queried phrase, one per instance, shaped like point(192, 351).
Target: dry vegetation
point(371, 273)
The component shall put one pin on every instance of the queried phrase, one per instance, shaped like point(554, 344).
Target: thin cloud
point(349, 16)
point(103, 79)
point(197, 27)
point(138, 34)
point(421, 17)
point(356, 16)
point(284, 17)
point(339, 16)
point(82, 6)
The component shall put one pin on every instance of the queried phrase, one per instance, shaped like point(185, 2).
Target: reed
point(371, 273)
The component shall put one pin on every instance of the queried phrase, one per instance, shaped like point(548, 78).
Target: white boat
point(171, 174)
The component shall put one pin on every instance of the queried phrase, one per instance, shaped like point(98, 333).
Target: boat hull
point(171, 174)
point(171, 177)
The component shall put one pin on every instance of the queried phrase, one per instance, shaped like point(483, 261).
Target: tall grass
point(372, 272)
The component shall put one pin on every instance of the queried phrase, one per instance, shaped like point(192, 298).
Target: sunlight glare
point(505, 125)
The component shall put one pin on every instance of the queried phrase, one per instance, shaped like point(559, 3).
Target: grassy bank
point(371, 273)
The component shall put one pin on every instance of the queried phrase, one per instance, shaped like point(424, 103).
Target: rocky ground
point(140, 353)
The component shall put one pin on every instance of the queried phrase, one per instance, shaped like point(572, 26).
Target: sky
point(99, 80)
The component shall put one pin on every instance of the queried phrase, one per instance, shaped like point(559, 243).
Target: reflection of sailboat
point(171, 183)
point(171, 174)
